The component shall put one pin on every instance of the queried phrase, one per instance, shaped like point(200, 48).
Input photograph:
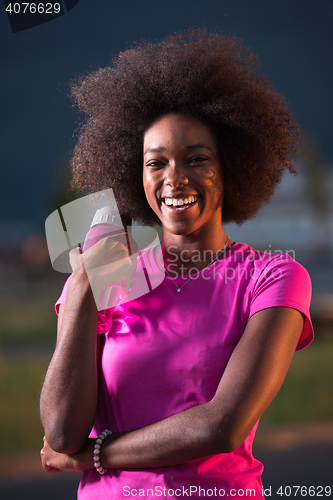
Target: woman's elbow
point(61, 443)
point(224, 439)
point(62, 439)
point(224, 444)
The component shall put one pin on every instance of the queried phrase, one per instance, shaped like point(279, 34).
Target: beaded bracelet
point(97, 451)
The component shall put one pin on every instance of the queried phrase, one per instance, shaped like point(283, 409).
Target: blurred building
point(299, 221)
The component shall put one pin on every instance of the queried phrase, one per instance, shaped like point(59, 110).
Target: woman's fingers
point(111, 260)
point(45, 455)
point(106, 251)
point(54, 462)
point(107, 262)
point(76, 261)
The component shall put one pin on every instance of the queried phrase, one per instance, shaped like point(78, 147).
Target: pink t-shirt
point(165, 352)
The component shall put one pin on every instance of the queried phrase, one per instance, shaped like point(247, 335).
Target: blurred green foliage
point(20, 384)
point(306, 393)
point(27, 338)
point(27, 323)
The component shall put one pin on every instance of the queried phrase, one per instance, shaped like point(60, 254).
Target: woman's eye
point(155, 164)
point(197, 159)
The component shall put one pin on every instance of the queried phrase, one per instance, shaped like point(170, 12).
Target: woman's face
point(182, 174)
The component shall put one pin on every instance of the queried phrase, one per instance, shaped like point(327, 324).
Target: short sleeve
point(285, 282)
point(62, 298)
point(104, 319)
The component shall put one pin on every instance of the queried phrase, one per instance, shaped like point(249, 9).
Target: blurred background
point(294, 42)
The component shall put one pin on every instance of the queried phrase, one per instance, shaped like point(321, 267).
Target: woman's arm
point(252, 378)
point(69, 395)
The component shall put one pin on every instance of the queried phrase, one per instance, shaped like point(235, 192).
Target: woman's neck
point(188, 254)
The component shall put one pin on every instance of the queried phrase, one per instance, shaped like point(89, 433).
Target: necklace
point(218, 255)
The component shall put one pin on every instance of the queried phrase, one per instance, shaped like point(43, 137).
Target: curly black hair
point(208, 76)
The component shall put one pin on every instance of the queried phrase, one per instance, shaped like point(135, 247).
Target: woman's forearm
point(69, 393)
point(183, 437)
point(178, 439)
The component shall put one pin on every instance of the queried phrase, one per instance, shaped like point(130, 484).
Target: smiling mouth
point(180, 204)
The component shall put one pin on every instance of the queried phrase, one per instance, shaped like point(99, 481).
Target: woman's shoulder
point(277, 279)
point(244, 253)
point(262, 269)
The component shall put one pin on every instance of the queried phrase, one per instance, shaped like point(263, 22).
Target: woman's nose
point(175, 176)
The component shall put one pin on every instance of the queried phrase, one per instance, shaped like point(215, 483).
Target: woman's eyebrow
point(154, 150)
point(196, 146)
point(186, 148)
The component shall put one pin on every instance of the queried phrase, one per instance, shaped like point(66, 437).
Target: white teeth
point(178, 202)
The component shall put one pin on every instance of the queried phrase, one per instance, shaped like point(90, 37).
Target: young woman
point(188, 136)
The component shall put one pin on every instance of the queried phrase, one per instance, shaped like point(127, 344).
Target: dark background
point(293, 40)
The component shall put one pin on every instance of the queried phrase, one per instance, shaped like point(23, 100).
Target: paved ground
point(310, 465)
point(304, 466)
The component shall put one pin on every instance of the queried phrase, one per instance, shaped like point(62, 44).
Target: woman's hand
point(57, 462)
point(106, 262)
